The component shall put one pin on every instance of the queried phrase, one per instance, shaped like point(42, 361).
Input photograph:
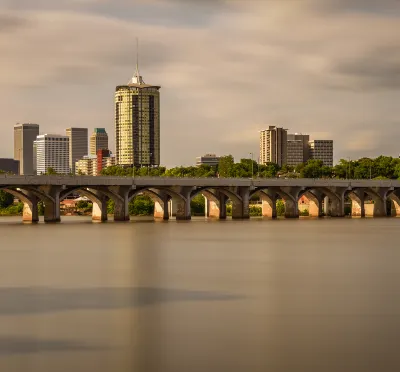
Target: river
point(144, 296)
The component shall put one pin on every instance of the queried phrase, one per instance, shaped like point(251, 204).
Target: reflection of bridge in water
point(173, 195)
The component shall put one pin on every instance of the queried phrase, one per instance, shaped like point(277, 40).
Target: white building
point(273, 146)
point(87, 165)
point(51, 151)
point(322, 150)
point(207, 159)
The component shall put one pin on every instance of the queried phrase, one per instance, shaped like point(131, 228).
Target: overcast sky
point(329, 68)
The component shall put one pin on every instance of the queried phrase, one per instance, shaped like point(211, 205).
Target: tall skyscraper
point(297, 148)
point(78, 145)
point(137, 123)
point(322, 150)
point(24, 135)
point(98, 140)
point(273, 146)
point(52, 151)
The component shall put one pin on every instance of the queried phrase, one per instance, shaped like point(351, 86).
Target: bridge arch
point(30, 210)
point(393, 196)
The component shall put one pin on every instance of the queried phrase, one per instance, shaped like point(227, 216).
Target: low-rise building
point(92, 165)
point(207, 159)
point(87, 165)
point(9, 165)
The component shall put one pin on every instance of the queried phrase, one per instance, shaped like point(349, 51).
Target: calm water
point(305, 295)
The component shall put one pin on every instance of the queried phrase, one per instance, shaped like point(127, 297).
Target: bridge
point(172, 196)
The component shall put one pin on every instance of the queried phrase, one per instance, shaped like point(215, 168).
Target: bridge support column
point(268, 205)
point(291, 209)
point(30, 213)
point(183, 205)
point(380, 208)
point(326, 206)
point(99, 212)
point(240, 208)
point(215, 206)
point(357, 203)
point(336, 202)
point(51, 203)
point(211, 208)
point(121, 202)
point(315, 208)
point(161, 208)
point(395, 205)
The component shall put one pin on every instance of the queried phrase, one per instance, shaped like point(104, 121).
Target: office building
point(87, 165)
point(24, 136)
point(9, 166)
point(98, 140)
point(273, 146)
point(297, 148)
point(137, 123)
point(104, 159)
point(78, 145)
point(207, 159)
point(52, 151)
point(322, 150)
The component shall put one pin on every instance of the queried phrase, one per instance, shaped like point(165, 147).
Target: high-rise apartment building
point(273, 146)
point(322, 150)
point(98, 140)
point(137, 123)
point(297, 148)
point(78, 145)
point(52, 151)
point(24, 136)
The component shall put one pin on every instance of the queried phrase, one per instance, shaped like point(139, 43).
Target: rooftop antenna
point(137, 58)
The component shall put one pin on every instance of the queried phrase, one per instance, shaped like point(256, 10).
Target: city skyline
point(328, 78)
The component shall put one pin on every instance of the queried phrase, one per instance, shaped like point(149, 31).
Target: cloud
point(227, 69)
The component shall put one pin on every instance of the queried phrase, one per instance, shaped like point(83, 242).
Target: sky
point(227, 69)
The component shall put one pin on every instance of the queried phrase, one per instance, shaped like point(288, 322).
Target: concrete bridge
point(172, 196)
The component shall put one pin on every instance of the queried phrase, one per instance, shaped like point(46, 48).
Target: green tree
point(197, 205)
point(82, 204)
point(280, 207)
point(6, 199)
point(225, 166)
point(141, 205)
point(50, 171)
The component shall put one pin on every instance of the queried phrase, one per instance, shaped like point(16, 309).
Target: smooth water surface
point(286, 295)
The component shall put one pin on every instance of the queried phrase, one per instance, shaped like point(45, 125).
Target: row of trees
point(383, 167)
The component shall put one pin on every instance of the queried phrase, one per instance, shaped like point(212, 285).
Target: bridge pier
point(268, 205)
point(161, 208)
point(99, 212)
point(335, 203)
point(51, 203)
point(395, 205)
point(240, 208)
point(315, 208)
point(183, 211)
point(121, 202)
point(291, 209)
point(357, 203)
point(30, 212)
point(215, 205)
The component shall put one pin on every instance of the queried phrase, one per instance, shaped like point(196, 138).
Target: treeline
point(382, 167)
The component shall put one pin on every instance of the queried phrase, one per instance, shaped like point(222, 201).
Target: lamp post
point(370, 169)
point(252, 165)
